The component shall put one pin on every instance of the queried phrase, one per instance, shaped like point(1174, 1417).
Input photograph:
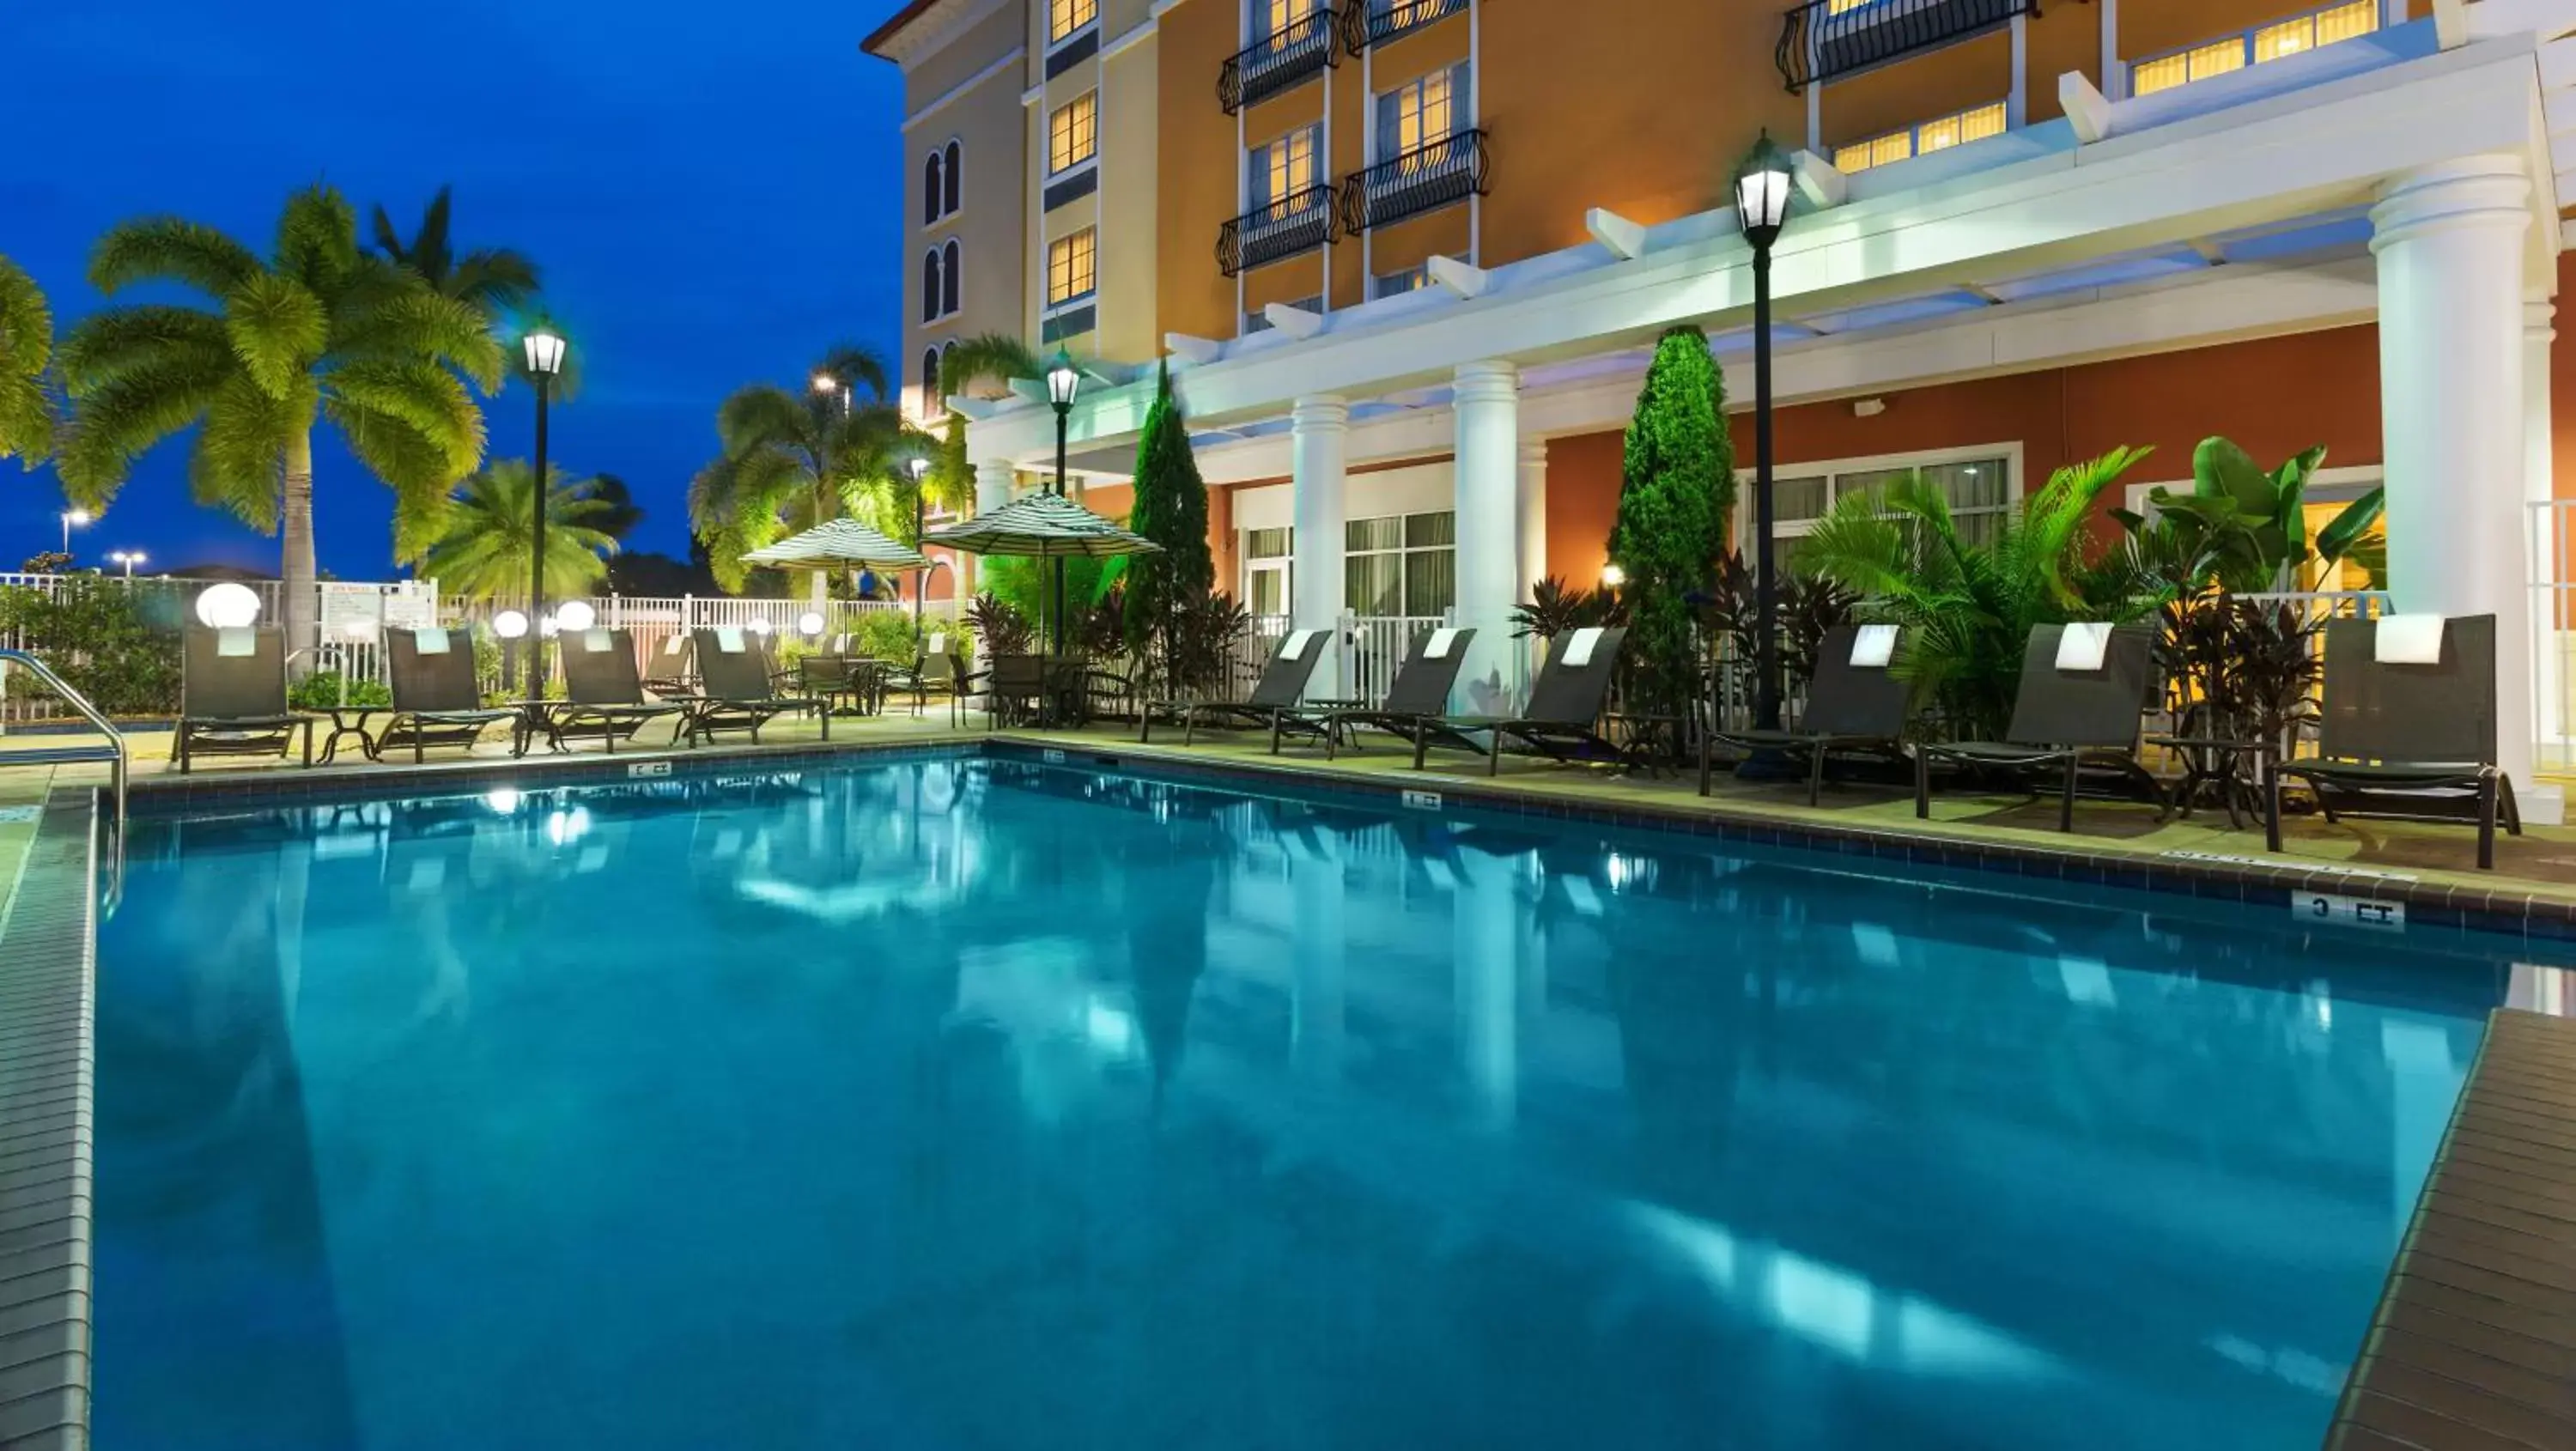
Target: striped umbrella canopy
point(1041, 526)
point(838, 544)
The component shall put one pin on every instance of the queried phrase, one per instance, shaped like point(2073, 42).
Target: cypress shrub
point(1676, 499)
point(1171, 509)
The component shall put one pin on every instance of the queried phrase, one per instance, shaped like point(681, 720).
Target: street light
point(919, 467)
point(127, 557)
point(545, 360)
point(72, 519)
point(1762, 205)
point(1064, 381)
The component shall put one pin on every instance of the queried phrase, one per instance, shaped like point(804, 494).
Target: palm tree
point(317, 332)
point(988, 362)
point(793, 458)
point(495, 280)
point(477, 545)
point(26, 350)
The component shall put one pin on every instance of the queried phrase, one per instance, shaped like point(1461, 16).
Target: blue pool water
point(969, 1105)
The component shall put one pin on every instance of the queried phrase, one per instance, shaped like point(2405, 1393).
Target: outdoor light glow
point(227, 606)
point(1063, 380)
point(809, 623)
point(919, 465)
point(1762, 192)
point(758, 626)
point(545, 353)
point(547, 625)
point(76, 517)
point(576, 615)
point(826, 383)
point(1613, 576)
point(509, 624)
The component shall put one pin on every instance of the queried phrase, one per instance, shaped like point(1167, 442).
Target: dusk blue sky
point(711, 189)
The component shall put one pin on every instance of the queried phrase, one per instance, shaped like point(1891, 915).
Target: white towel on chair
point(729, 641)
point(2082, 648)
point(236, 640)
point(2407, 640)
point(1439, 645)
point(938, 644)
point(429, 642)
point(598, 642)
point(1299, 641)
point(1873, 646)
point(1578, 651)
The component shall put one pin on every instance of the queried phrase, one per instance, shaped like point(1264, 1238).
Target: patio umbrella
point(1043, 526)
point(838, 544)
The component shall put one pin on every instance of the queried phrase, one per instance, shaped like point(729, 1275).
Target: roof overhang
point(923, 26)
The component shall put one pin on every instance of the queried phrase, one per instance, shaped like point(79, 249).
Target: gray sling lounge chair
point(1418, 694)
point(2410, 734)
point(1565, 709)
point(2065, 720)
point(1852, 709)
point(736, 691)
point(1280, 689)
point(436, 700)
point(232, 696)
point(604, 691)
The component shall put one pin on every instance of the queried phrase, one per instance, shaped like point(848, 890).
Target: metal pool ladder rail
point(119, 757)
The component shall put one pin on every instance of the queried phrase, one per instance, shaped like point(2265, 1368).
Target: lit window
point(1877, 151)
point(1423, 111)
point(2281, 39)
point(1410, 279)
point(1285, 167)
point(1967, 126)
point(1073, 132)
point(1064, 17)
point(1070, 261)
point(1285, 13)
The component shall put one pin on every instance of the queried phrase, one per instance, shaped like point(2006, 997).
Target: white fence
point(657, 620)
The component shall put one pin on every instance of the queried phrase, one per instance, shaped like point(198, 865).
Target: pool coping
point(48, 1068)
point(2473, 1342)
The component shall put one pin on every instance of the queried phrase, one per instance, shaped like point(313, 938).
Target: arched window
point(955, 178)
point(948, 286)
point(932, 189)
point(930, 285)
point(930, 382)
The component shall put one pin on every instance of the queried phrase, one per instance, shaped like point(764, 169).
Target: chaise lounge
point(736, 691)
point(604, 691)
point(1855, 707)
point(1418, 694)
point(1565, 709)
point(232, 696)
point(436, 700)
point(1281, 689)
point(2083, 692)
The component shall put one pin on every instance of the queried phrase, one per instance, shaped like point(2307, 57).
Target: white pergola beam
point(1618, 236)
point(1296, 322)
point(1819, 181)
point(2087, 110)
point(2450, 23)
point(1458, 277)
point(1194, 349)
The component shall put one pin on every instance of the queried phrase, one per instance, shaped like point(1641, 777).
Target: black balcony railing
point(1431, 175)
point(1287, 57)
point(1822, 40)
point(1298, 222)
point(1366, 22)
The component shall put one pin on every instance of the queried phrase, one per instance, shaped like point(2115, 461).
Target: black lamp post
point(1762, 204)
point(918, 466)
point(1063, 381)
point(545, 360)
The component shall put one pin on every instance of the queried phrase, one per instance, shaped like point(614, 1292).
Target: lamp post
point(1762, 205)
point(72, 519)
point(918, 466)
point(1064, 381)
point(545, 360)
point(127, 557)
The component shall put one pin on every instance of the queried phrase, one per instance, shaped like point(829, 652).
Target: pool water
point(963, 1104)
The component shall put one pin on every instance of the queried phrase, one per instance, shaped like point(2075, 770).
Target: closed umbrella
point(1043, 526)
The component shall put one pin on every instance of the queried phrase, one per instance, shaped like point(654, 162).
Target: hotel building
point(1407, 259)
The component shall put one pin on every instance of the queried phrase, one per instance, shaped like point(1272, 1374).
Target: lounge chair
point(1854, 707)
point(2083, 691)
point(436, 700)
point(1281, 688)
point(1565, 708)
point(604, 692)
point(1013, 687)
point(735, 689)
point(671, 675)
point(2409, 731)
point(1419, 693)
point(232, 696)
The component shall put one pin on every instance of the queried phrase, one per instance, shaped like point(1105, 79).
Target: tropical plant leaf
point(2345, 530)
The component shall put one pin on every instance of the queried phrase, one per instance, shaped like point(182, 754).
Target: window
point(1258, 319)
point(2295, 36)
point(1408, 279)
point(931, 190)
point(1070, 262)
point(1403, 565)
point(930, 382)
point(1064, 17)
point(1284, 167)
point(955, 179)
point(949, 282)
point(1974, 124)
point(930, 271)
point(1979, 491)
point(1073, 133)
point(1266, 555)
point(1273, 16)
point(1430, 108)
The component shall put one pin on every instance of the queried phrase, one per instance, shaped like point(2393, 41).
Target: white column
point(1487, 480)
point(2539, 483)
point(1532, 516)
point(1318, 444)
point(992, 484)
point(2449, 242)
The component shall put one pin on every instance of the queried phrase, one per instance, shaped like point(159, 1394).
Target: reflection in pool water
point(955, 1104)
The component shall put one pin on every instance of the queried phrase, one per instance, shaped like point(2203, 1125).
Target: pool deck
point(2474, 1341)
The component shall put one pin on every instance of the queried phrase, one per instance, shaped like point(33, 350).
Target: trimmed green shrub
point(321, 691)
point(95, 634)
point(887, 635)
point(1676, 496)
point(1172, 510)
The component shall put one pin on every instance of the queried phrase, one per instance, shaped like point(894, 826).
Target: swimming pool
point(962, 1103)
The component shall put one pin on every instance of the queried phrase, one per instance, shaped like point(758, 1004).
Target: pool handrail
point(118, 765)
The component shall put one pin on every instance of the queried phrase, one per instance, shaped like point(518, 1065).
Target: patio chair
point(936, 670)
point(735, 689)
point(2409, 730)
point(1566, 707)
point(1854, 707)
point(671, 675)
point(232, 696)
point(1280, 689)
point(1014, 686)
point(604, 692)
point(437, 702)
point(2083, 691)
point(1419, 693)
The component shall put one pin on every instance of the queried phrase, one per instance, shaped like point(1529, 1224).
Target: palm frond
point(766, 415)
point(989, 359)
point(317, 238)
point(242, 447)
point(493, 280)
point(26, 351)
point(855, 364)
point(425, 398)
point(169, 249)
point(277, 328)
point(413, 322)
point(106, 345)
point(124, 416)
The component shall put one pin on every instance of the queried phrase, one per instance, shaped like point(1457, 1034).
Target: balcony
point(1429, 176)
point(1369, 22)
point(1828, 38)
point(1288, 57)
point(1298, 222)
